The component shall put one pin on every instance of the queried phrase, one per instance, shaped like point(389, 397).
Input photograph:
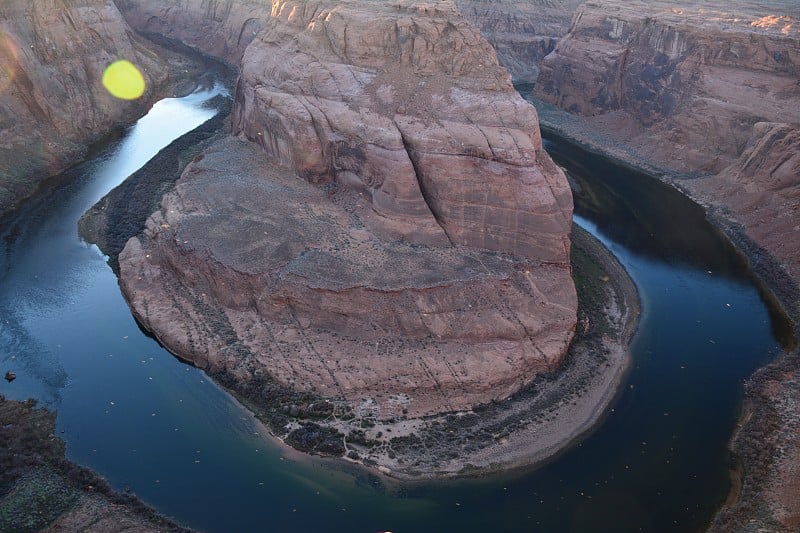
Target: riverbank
point(42, 491)
point(765, 492)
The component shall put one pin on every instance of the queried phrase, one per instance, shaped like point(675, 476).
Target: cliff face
point(710, 87)
point(410, 106)
point(52, 103)
point(394, 236)
point(761, 191)
point(682, 82)
point(218, 28)
point(522, 32)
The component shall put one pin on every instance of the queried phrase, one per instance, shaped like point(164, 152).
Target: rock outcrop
point(410, 106)
point(52, 103)
point(682, 82)
point(394, 237)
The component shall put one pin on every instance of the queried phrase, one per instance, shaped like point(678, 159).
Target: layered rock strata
point(682, 82)
point(250, 269)
point(410, 255)
point(52, 103)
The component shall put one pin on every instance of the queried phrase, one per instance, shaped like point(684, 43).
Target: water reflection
point(647, 217)
point(47, 271)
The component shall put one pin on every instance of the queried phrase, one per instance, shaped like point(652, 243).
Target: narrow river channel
point(161, 429)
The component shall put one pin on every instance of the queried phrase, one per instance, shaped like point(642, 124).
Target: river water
point(161, 429)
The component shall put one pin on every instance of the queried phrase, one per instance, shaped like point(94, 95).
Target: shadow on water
point(658, 223)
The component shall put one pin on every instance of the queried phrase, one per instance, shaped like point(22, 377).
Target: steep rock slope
point(418, 264)
point(522, 32)
point(761, 191)
point(52, 103)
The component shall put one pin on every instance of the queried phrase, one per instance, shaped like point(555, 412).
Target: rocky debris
point(52, 102)
point(522, 32)
point(683, 82)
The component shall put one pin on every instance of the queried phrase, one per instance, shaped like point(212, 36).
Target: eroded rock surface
point(761, 191)
point(52, 104)
point(411, 253)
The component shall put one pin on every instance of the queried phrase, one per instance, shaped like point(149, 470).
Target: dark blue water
point(153, 425)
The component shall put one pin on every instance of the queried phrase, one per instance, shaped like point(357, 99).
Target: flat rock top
point(775, 17)
point(256, 218)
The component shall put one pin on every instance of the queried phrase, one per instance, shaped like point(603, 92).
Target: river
point(162, 429)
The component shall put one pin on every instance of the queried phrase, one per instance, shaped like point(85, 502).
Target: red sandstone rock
point(409, 105)
point(693, 76)
point(251, 269)
point(422, 261)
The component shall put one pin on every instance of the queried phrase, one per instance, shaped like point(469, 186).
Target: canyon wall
point(522, 32)
point(52, 103)
point(392, 237)
point(702, 88)
point(681, 82)
point(219, 28)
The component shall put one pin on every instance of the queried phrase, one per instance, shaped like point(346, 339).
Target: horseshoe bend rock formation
point(392, 236)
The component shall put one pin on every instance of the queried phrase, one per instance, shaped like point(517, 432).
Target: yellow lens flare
point(123, 80)
point(9, 60)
